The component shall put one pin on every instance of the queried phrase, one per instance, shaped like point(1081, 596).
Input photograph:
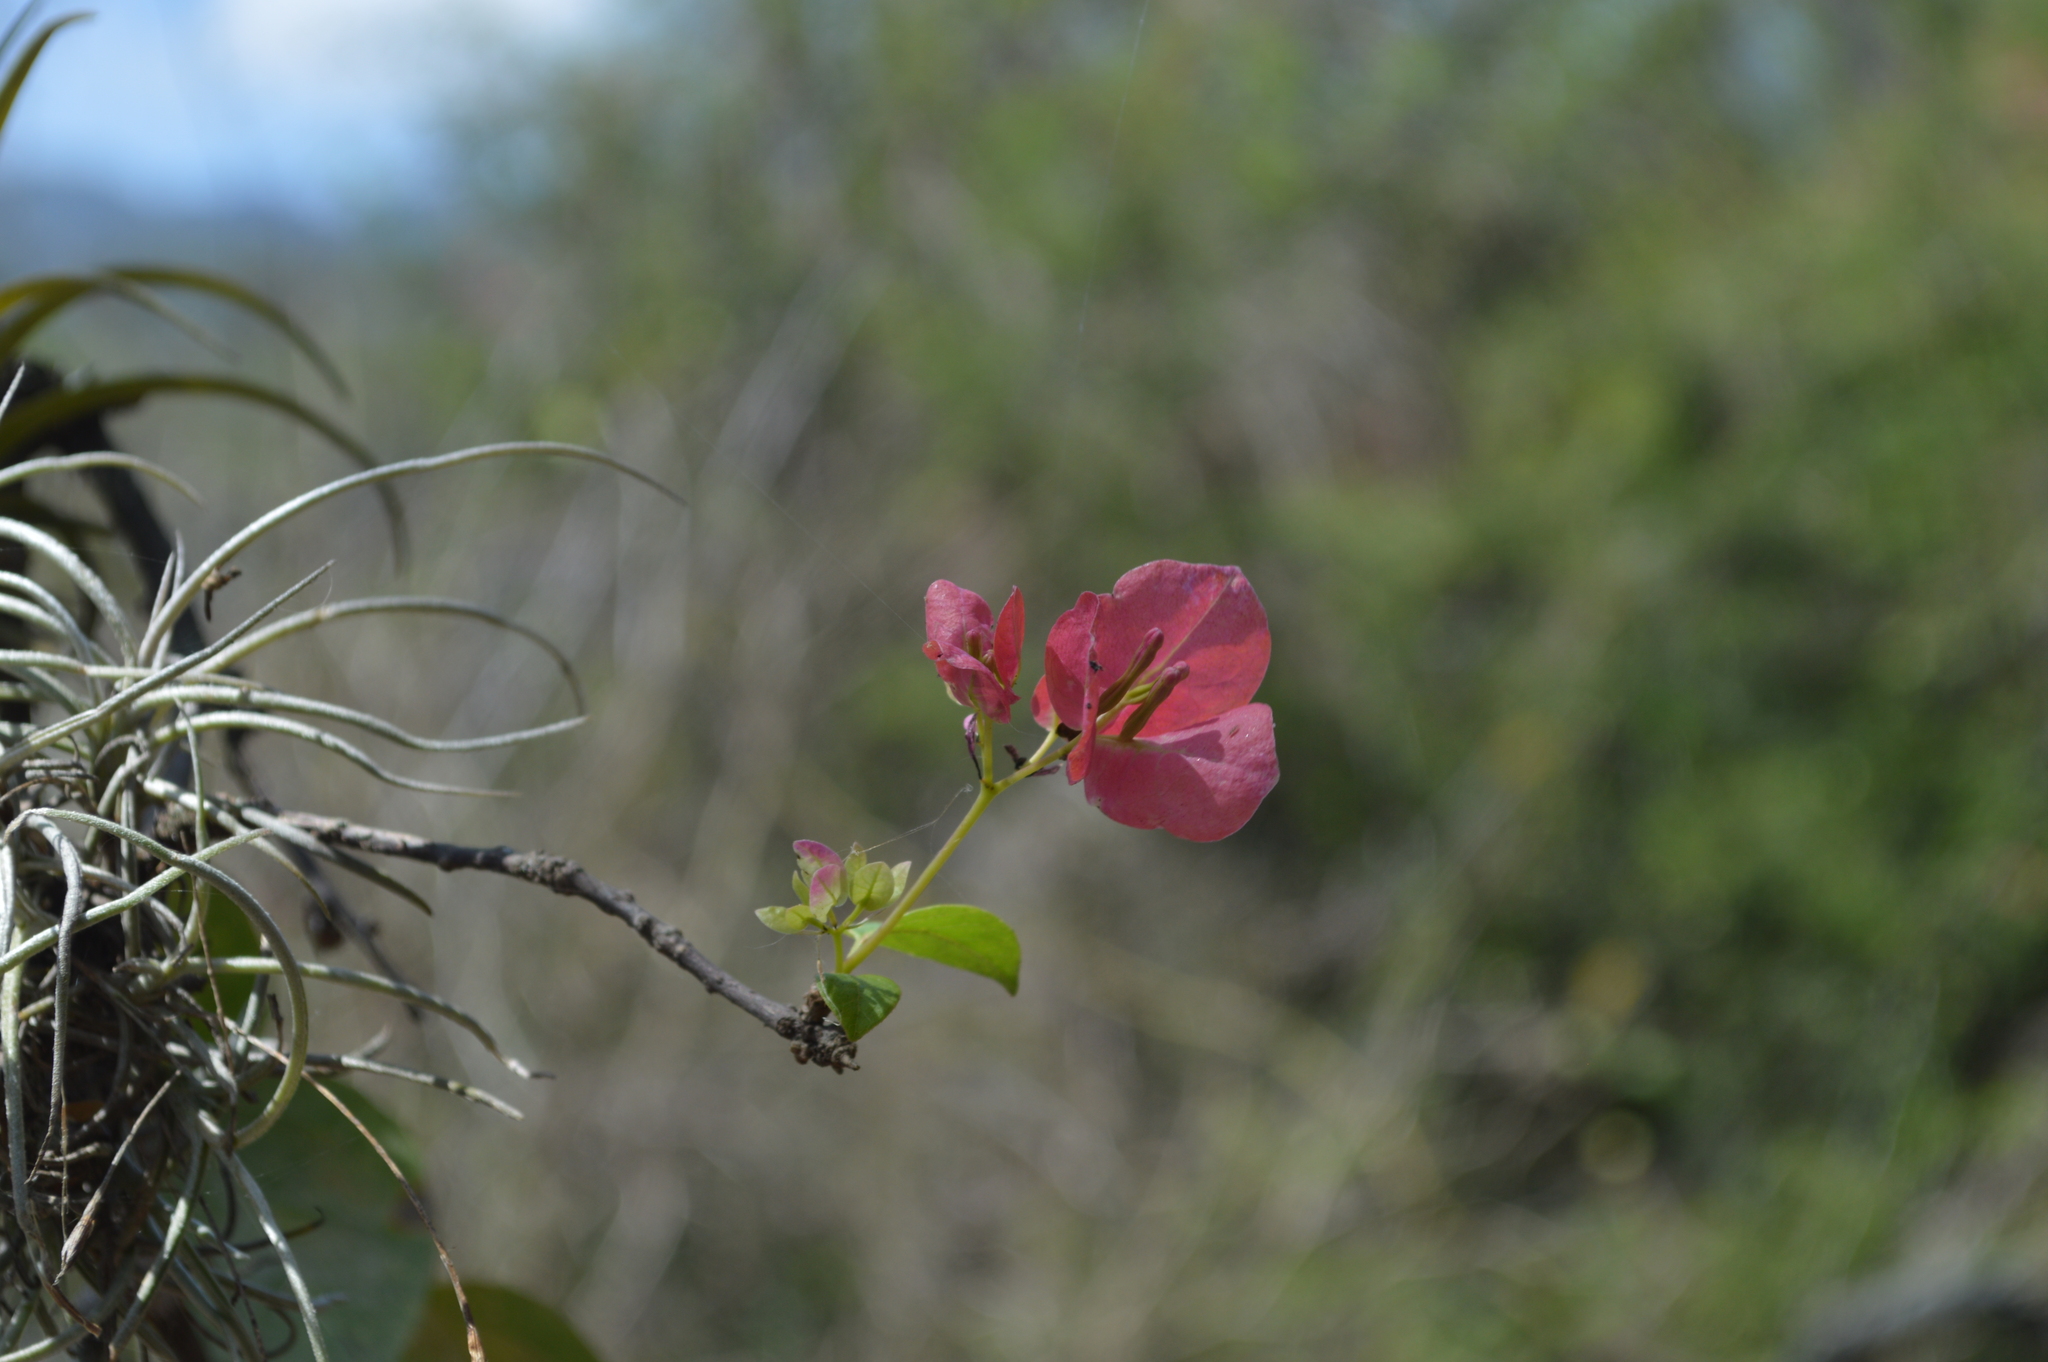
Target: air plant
point(129, 1081)
point(143, 1052)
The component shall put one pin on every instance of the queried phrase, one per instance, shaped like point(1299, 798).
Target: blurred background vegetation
point(1634, 415)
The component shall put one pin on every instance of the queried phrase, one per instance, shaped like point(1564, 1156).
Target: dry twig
point(814, 1037)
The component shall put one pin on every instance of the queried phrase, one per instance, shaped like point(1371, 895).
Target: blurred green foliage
point(370, 1252)
point(518, 1328)
point(1635, 418)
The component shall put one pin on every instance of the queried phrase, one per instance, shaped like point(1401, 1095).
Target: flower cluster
point(1146, 700)
point(1151, 683)
point(823, 881)
point(977, 653)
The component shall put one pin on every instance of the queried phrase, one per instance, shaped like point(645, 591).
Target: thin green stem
point(1049, 751)
point(867, 946)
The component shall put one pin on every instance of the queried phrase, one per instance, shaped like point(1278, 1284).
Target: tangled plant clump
point(134, 1078)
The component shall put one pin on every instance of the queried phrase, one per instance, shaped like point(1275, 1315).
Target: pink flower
point(977, 654)
point(820, 875)
point(1157, 678)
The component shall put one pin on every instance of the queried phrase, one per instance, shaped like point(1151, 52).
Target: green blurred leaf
point(30, 303)
point(369, 1247)
point(960, 935)
point(200, 281)
point(16, 25)
point(515, 1328)
point(33, 301)
point(228, 932)
point(860, 1001)
point(18, 73)
point(27, 423)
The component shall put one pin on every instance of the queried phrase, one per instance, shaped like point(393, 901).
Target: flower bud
point(820, 866)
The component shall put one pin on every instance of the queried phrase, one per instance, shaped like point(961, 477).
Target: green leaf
point(860, 1001)
point(228, 932)
point(871, 888)
point(25, 424)
point(31, 303)
point(960, 935)
point(315, 1169)
point(515, 1328)
point(249, 301)
point(900, 872)
point(18, 73)
point(788, 921)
